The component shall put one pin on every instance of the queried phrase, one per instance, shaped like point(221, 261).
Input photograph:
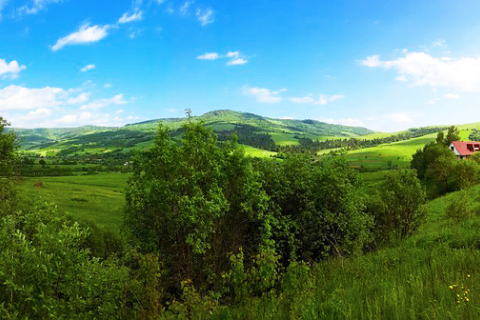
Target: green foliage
point(194, 203)
point(319, 209)
point(401, 210)
point(458, 208)
point(453, 134)
point(45, 273)
point(8, 149)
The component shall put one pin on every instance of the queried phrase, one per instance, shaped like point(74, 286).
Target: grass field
point(397, 153)
point(98, 198)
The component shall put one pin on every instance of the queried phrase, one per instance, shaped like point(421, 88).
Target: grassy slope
point(98, 198)
point(410, 280)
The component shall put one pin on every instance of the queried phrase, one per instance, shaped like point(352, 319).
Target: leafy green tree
point(441, 172)
point(452, 135)
point(8, 150)
point(8, 160)
point(466, 173)
point(440, 137)
point(319, 209)
point(403, 197)
point(45, 273)
point(425, 157)
point(195, 203)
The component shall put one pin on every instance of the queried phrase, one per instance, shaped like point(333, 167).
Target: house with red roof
point(464, 149)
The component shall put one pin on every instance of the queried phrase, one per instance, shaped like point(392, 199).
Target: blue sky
point(385, 65)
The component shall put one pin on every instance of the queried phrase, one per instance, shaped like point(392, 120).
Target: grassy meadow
point(98, 198)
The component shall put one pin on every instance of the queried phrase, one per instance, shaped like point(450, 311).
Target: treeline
point(248, 135)
point(309, 146)
point(206, 227)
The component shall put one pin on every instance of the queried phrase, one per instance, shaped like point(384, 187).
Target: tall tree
point(194, 203)
point(8, 150)
point(452, 135)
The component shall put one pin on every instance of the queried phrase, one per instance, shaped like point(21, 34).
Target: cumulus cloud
point(89, 67)
point(102, 103)
point(420, 68)
point(2, 4)
point(81, 98)
point(237, 62)
point(21, 98)
point(205, 16)
point(209, 56)
point(351, 122)
point(322, 100)
point(136, 16)
point(56, 107)
point(263, 95)
point(184, 8)
point(401, 117)
point(36, 6)
point(232, 54)
point(12, 68)
point(452, 96)
point(86, 34)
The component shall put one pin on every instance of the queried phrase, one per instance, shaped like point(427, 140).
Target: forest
point(210, 232)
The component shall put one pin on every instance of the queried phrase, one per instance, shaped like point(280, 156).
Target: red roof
point(466, 148)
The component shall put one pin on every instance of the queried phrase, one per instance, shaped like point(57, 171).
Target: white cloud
point(84, 35)
point(401, 117)
point(237, 62)
point(420, 68)
point(89, 67)
point(107, 85)
point(323, 99)
point(451, 96)
point(21, 98)
point(137, 16)
point(439, 43)
point(205, 16)
point(2, 4)
point(184, 7)
point(351, 122)
point(372, 61)
point(102, 103)
point(12, 68)
point(81, 98)
point(232, 54)
point(36, 6)
point(209, 56)
point(287, 118)
point(263, 95)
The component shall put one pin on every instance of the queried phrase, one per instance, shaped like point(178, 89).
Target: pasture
point(98, 198)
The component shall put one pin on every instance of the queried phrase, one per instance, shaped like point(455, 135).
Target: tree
point(440, 137)
point(8, 149)
point(194, 203)
point(8, 160)
point(452, 135)
point(440, 171)
point(425, 157)
point(466, 173)
point(403, 198)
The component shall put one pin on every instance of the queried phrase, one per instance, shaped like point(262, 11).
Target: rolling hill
point(253, 130)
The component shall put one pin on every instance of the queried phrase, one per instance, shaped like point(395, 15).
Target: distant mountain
point(253, 130)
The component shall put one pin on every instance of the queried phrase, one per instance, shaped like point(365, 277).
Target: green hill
point(253, 130)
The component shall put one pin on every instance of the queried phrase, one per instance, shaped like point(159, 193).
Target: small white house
point(464, 149)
